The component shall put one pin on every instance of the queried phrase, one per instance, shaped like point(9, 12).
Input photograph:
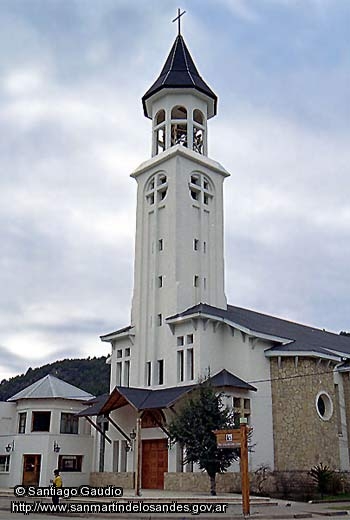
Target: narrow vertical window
point(160, 371)
point(204, 247)
point(22, 418)
point(159, 320)
point(189, 364)
point(126, 373)
point(160, 244)
point(180, 365)
point(196, 244)
point(119, 374)
point(148, 373)
point(195, 281)
point(160, 281)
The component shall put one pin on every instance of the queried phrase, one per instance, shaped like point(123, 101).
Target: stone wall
point(301, 438)
point(124, 480)
point(346, 386)
point(278, 484)
point(199, 482)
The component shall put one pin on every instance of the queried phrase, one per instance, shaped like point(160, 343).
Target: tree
point(193, 426)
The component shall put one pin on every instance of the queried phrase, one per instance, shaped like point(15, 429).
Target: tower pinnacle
point(178, 18)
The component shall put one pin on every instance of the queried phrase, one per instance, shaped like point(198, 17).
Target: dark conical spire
point(179, 71)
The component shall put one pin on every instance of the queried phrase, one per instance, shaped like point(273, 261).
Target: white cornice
point(181, 150)
point(302, 353)
point(246, 330)
point(115, 336)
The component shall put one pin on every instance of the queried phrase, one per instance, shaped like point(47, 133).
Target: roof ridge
point(185, 58)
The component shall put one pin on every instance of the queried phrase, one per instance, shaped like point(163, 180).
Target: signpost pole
point(138, 457)
point(244, 469)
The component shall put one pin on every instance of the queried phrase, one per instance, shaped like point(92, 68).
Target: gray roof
point(179, 71)
point(51, 387)
point(147, 399)
point(302, 338)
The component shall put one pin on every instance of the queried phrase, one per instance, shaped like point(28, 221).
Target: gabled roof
point(179, 71)
point(225, 378)
point(297, 337)
point(51, 387)
point(148, 399)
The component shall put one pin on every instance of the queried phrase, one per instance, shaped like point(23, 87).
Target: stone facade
point(346, 386)
point(302, 438)
point(124, 480)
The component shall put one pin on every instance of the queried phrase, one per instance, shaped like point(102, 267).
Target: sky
point(72, 74)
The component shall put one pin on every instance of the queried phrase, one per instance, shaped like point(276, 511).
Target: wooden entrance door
point(154, 463)
point(31, 470)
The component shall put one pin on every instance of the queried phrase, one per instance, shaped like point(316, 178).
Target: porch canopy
point(142, 399)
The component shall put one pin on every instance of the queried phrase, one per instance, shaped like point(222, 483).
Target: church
point(289, 381)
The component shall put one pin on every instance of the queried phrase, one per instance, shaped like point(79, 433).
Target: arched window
point(198, 131)
point(159, 131)
point(201, 189)
point(156, 188)
point(160, 117)
point(179, 126)
point(179, 112)
point(198, 116)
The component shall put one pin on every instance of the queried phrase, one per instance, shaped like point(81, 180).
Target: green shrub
point(322, 475)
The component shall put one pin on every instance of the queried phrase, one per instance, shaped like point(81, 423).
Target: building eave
point(302, 353)
point(241, 328)
point(179, 150)
point(113, 336)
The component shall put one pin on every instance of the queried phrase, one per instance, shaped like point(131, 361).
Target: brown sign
point(228, 438)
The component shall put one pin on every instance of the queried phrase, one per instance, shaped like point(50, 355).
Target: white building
point(286, 379)
point(40, 431)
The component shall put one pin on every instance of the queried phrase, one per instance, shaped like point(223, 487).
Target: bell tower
point(179, 259)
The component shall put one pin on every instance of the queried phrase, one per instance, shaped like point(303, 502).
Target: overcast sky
point(72, 74)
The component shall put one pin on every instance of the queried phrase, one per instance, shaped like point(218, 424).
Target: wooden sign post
point(238, 438)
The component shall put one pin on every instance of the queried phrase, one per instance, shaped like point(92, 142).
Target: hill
point(90, 374)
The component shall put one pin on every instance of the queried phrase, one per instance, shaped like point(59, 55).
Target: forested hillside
point(91, 375)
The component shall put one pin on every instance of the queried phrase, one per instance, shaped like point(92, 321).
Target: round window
point(324, 406)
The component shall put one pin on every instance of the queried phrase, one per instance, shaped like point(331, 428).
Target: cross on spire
point(178, 18)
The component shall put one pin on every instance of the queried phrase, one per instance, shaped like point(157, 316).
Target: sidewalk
point(260, 507)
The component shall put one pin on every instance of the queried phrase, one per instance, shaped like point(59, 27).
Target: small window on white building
point(119, 353)
point(4, 463)
point(41, 421)
point(148, 373)
point(22, 419)
point(196, 281)
point(160, 244)
point(126, 373)
point(70, 463)
point(160, 364)
point(159, 320)
point(160, 281)
point(180, 341)
point(189, 364)
point(127, 352)
point(189, 338)
point(180, 366)
point(69, 423)
point(119, 374)
point(196, 244)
